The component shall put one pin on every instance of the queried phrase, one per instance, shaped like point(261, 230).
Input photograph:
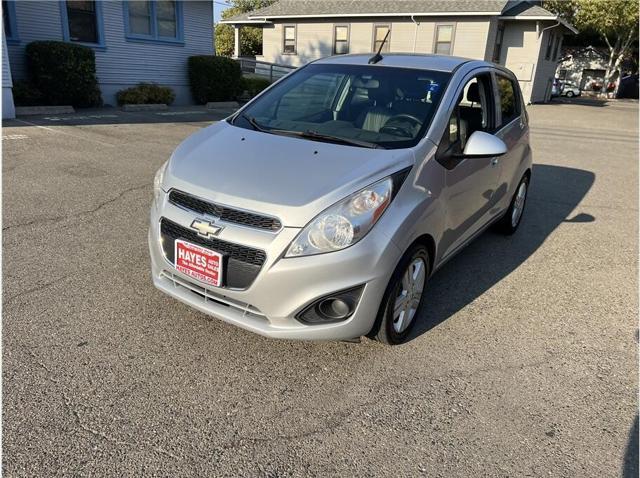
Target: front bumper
point(284, 287)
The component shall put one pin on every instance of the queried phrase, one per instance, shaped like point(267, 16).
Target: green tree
point(616, 21)
point(250, 37)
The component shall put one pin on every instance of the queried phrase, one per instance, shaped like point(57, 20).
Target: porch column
point(236, 41)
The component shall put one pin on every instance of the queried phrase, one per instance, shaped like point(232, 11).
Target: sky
point(218, 7)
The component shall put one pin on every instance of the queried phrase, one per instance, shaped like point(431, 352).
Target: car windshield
point(359, 105)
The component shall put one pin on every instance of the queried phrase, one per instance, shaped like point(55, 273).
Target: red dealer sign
point(198, 262)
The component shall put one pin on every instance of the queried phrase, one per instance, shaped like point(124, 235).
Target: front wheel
point(511, 220)
point(403, 298)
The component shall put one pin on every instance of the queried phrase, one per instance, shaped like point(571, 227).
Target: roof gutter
point(379, 14)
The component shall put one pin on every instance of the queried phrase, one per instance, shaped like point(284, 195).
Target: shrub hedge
point(25, 94)
point(214, 78)
point(254, 85)
point(64, 73)
point(146, 94)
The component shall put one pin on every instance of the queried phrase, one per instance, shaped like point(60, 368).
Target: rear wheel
point(569, 94)
point(511, 220)
point(403, 297)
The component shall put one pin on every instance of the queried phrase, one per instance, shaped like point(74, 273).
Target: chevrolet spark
point(321, 209)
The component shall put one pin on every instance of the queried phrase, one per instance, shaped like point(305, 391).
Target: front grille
point(242, 263)
point(227, 214)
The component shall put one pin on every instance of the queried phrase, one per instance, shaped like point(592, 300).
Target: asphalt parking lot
point(524, 364)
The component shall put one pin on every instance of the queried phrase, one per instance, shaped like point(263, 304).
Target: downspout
point(415, 33)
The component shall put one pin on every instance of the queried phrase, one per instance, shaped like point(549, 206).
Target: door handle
point(494, 162)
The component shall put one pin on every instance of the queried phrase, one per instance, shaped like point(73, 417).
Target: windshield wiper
point(252, 121)
point(338, 139)
point(310, 134)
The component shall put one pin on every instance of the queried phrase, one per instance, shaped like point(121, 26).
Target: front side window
point(444, 39)
point(473, 112)
point(82, 19)
point(379, 34)
point(9, 20)
point(509, 104)
point(289, 40)
point(341, 40)
point(154, 20)
point(363, 105)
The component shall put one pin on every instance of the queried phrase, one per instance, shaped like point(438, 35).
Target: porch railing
point(272, 71)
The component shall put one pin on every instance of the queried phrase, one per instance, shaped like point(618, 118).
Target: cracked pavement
point(524, 362)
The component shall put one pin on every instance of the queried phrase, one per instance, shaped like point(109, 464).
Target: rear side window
point(509, 102)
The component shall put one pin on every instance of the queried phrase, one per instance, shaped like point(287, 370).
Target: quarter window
point(82, 19)
point(509, 104)
point(289, 39)
point(154, 20)
point(379, 34)
point(444, 39)
point(341, 40)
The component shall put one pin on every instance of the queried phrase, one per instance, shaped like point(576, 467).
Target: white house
point(521, 35)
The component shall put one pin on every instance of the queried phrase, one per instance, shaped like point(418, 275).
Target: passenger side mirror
point(484, 145)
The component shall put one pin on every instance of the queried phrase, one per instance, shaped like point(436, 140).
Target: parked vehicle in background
point(570, 90)
point(321, 208)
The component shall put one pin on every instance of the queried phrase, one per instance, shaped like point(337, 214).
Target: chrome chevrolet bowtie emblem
point(206, 228)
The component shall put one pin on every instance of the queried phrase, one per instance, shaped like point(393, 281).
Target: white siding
point(315, 40)
point(122, 63)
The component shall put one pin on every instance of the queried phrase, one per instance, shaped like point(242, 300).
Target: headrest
point(473, 93)
point(368, 84)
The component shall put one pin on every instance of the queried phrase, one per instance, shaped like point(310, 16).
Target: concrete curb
point(151, 107)
point(43, 110)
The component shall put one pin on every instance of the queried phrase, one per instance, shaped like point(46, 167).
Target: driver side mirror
point(484, 145)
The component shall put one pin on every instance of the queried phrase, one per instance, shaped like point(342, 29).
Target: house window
point(547, 55)
point(497, 49)
point(379, 34)
point(341, 40)
point(444, 39)
point(82, 18)
point(554, 56)
point(289, 46)
point(9, 20)
point(82, 21)
point(154, 20)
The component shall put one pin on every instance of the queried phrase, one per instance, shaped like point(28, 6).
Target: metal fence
point(263, 68)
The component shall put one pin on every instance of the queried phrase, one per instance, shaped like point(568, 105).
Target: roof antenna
point(377, 57)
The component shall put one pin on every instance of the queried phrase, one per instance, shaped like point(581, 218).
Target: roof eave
point(560, 21)
point(395, 14)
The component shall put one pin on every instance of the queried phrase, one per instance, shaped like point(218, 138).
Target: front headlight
point(157, 182)
point(344, 223)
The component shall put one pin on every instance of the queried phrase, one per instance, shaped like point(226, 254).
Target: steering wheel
point(397, 130)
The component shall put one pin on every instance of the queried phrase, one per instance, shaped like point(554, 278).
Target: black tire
point(383, 330)
point(569, 94)
point(506, 225)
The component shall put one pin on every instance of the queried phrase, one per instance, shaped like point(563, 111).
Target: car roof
point(405, 60)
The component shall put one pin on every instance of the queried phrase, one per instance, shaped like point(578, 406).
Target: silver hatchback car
point(322, 207)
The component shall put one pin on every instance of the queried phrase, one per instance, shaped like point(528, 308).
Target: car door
point(512, 128)
point(470, 183)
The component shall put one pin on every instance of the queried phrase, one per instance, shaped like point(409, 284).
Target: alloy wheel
point(409, 295)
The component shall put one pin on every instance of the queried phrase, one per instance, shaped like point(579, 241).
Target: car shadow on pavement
point(630, 464)
point(555, 192)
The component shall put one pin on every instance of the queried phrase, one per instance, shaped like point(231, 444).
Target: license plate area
point(198, 262)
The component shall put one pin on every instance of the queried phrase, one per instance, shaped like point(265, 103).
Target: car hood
point(293, 179)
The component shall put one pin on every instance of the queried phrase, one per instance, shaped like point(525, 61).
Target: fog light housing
point(332, 308)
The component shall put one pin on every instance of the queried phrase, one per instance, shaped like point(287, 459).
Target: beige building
point(520, 35)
